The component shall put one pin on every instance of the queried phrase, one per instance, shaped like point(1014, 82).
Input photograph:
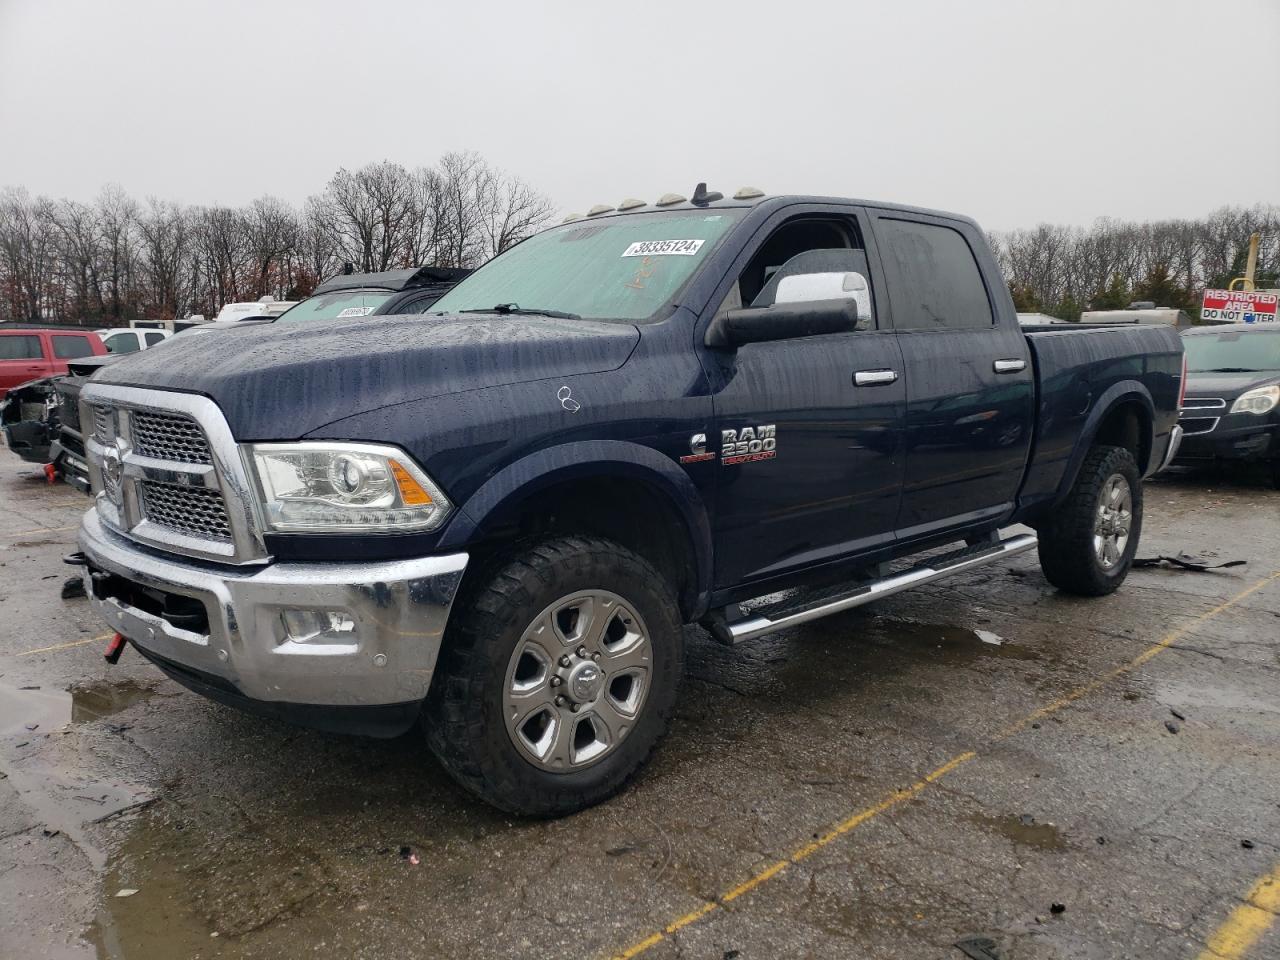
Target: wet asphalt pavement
point(942, 765)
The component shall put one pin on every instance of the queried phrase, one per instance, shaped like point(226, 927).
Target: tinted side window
point(934, 281)
point(68, 347)
point(154, 338)
point(123, 343)
point(19, 347)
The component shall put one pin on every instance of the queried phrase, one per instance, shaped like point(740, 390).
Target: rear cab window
point(154, 338)
point(123, 343)
point(20, 346)
point(68, 346)
point(933, 277)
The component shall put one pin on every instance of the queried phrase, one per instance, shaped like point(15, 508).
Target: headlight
point(339, 487)
point(1258, 400)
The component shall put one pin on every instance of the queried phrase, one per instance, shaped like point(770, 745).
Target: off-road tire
point(463, 717)
point(1066, 547)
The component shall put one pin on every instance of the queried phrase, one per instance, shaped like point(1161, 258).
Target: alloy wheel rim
point(577, 680)
point(1112, 521)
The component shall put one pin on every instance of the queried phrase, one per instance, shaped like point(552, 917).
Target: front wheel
point(1089, 544)
point(557, 677)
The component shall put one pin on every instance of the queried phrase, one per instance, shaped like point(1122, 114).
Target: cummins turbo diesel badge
point(748, 444)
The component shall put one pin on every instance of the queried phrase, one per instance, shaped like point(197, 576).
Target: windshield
point(621, 268)
point(340, 303)
point(1233, 351)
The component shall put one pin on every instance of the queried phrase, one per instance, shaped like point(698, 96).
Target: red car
point(29, 353)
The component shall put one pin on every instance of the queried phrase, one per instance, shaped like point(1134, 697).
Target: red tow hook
point(51, 473)
point(115, 648)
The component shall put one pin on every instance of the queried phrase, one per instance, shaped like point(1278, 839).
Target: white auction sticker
point(663, 248)
point(355, 312)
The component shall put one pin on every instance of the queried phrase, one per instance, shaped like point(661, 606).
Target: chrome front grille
point(164, 436)
point(1193, 425)
point(166, 471)
point(68, 411)
point(195, 511)
point(103, 422)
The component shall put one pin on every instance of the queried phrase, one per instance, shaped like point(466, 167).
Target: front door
point(809, 460)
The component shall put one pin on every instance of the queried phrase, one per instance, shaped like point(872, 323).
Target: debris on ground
point(986, 636)
point(406, 853)
point(978, 948)
point(1177, 714)
point(1247, 844)
point(1171, 726)
point(72, 588)
point(1057, 908)
point(1185, 561)
point(126, 892)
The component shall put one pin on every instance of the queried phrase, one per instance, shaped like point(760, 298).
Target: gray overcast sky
point(1013, 111)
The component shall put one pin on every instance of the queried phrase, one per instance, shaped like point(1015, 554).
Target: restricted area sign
point(1238, 306)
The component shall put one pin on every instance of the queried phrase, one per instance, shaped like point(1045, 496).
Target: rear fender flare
point(1124, 391)
point(588, 459)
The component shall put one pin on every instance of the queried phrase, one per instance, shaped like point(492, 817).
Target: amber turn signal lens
point(411, 492)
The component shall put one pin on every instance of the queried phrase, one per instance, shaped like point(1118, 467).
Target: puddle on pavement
point(38, 709)
point(1024, 831)
point(952, 643)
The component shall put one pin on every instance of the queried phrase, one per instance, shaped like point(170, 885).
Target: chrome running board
point(790, 613)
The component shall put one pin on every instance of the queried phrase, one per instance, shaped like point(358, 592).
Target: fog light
point(304, 626)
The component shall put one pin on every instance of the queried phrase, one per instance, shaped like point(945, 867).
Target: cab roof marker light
point(669, 199)
point(598, 209)
point(748, 193)
point(570, 218)
point(631, 203)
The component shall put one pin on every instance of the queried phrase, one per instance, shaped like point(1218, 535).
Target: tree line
point(116, 259)
point(1063, 271)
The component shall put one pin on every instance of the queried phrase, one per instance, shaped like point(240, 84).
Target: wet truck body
point(495, 517)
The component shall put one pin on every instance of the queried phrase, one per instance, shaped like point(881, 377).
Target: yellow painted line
point(1247, 922)
point(64, 646)
point(851, 823)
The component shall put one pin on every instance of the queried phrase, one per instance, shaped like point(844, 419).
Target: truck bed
point(1078, 370)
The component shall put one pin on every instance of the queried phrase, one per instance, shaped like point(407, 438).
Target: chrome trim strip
point(1203, 403)
point(227, 474)
point(759, 626)
point(1209, 429)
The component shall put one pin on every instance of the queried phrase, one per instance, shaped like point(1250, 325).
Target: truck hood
point(282, 381)
point(1228, 385)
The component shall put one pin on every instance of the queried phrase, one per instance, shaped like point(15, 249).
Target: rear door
point(22, 358)
point(69, 346)
point(970, 383)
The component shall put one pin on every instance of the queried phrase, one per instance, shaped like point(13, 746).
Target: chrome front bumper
point(399, 609)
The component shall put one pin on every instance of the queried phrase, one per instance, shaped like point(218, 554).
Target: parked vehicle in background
point(411, 290)
point(496, 516)
point(266, 307)
point(30, 353)
point(1231, 412)
point(132, 339)
point(1140, 312)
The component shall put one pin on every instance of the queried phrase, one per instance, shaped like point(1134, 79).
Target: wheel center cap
point(585, 681)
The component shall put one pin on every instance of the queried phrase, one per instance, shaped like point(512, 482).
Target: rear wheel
point(1089, 544)
point(558, 676)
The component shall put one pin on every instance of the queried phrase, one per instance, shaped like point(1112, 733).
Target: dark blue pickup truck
point(744, 412)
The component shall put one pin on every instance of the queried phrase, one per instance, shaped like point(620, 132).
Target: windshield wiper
point(1228, 370)
point(515, 308)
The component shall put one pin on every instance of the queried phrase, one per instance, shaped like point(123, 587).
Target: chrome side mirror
point(806, 287)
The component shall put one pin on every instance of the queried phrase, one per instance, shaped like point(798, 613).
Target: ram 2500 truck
point(494, 518)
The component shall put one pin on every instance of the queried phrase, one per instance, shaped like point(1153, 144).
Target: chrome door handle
point(1009, 366)
point(873, 378)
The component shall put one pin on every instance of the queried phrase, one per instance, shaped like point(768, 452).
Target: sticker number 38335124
point(659, 248)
